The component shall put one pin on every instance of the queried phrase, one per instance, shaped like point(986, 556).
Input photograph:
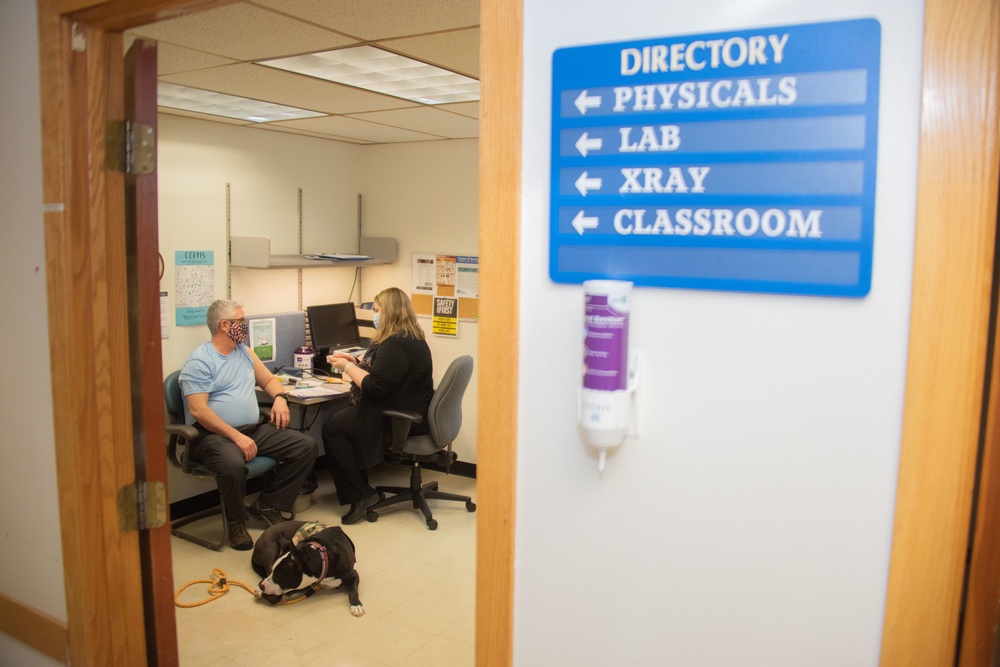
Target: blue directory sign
point(740, 161)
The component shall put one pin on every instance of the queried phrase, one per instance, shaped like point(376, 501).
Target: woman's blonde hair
point(396, 316)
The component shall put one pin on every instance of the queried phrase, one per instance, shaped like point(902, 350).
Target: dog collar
point(323, 557)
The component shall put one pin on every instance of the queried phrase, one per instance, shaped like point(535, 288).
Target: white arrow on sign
point(582, 222)
point(585, 144)
point(585, 101)
point(583, 184)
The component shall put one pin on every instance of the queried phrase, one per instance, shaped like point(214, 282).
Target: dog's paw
point(257, 593)
point(357, 610)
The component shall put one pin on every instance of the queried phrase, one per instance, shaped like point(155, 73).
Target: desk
point(325, 405)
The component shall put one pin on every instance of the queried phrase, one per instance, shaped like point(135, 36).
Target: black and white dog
point(295, 555)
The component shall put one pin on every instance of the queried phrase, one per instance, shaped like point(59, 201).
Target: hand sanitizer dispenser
point(609, 374)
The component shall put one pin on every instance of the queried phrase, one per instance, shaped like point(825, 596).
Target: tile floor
point(417, 587)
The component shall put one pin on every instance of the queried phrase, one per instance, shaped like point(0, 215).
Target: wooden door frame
point(949, 330)
point(85, 267)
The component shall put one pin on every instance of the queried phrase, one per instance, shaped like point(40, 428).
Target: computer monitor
point(333, 326)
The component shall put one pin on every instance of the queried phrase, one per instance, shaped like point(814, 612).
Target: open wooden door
point(981, 607)
point(103, 314)
point(143, 280)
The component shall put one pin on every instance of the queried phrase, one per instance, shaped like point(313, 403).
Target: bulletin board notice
point(441, 275)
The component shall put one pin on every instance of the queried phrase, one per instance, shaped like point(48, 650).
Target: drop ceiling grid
point(203, 50)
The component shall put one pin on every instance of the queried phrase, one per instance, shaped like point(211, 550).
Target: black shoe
point(268, 514)
point(310, 485)
point(359, 510)
point(239, 538)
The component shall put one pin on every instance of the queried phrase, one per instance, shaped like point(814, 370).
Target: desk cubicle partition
point(282, 338)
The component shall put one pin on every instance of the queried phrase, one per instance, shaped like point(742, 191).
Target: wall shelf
point(254, 252)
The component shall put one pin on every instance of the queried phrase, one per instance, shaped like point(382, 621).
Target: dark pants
point(349, 476)
point(295, 453)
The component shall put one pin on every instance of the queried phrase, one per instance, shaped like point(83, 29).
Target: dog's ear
point(283, 544)
point(295, 554)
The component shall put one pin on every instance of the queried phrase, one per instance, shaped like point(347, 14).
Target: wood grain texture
point(141, 229)
point(982, 610)
point(956, 220)
point(84, 263)
point(499, 270)
point(123, 14)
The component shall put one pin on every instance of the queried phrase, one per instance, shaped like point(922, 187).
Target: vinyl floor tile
point(417, 587)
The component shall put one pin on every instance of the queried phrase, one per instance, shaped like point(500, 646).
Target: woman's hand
point(340, 360)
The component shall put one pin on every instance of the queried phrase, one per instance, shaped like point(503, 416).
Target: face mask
point(376, 319)
point(237, 331)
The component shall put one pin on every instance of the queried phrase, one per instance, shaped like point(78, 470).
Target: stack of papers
point(336, 255)
point(322, 390)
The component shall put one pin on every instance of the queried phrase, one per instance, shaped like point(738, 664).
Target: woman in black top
point(395, 373)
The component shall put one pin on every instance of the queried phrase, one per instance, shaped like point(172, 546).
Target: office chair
point(180, 436)
point(444, 418)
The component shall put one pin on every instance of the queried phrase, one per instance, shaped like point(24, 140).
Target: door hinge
point(142, 506)
point(130, 147)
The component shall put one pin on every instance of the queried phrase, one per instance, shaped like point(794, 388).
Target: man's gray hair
point(221, 309)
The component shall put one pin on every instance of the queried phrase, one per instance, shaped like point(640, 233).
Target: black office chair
point(179, 439)
point(444, 418)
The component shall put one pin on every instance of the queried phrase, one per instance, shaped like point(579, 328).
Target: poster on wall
point(194, 281)
point(164, 312)
point(450, 276)
point(742, 160)
point(263, 338)
point(445, 322)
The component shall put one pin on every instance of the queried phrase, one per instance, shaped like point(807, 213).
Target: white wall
point(264, 170)
point(750, 522)
point(32, 569)
point(424, 195)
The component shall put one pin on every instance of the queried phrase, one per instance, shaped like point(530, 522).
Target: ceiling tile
point(243, 32)
point(204, 116)
point(316, 135)
point(357, 129)
point(426, 119)
point(457, 51)
point(171, 59)
point(270, 85)
point(470, 109)
point(371, 19)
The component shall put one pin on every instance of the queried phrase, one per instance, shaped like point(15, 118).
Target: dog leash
point(219, 586)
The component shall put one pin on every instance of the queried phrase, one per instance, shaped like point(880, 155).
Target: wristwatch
point(283, 395)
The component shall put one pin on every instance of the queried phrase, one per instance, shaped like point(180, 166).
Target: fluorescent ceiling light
point(218, 104)
point(383, 72)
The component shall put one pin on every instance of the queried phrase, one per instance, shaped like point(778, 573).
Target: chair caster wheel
point(371, 516)
point(432, 524)
point(471, 506)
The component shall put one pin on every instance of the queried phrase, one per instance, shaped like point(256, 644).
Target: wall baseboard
point(32, 627)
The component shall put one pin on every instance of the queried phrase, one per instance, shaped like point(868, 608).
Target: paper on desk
point(312, 392)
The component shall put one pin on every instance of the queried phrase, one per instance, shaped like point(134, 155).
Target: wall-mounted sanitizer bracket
point(606, 410)
point(608, 417)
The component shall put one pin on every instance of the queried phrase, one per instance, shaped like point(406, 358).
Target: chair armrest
point(401, 422)
point(180, 437)
point(265, 412)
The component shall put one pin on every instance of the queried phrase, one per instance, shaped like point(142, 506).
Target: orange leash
point(220, 586)
point(216, 588)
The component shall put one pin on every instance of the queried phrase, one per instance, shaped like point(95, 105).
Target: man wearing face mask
point(218, 381)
